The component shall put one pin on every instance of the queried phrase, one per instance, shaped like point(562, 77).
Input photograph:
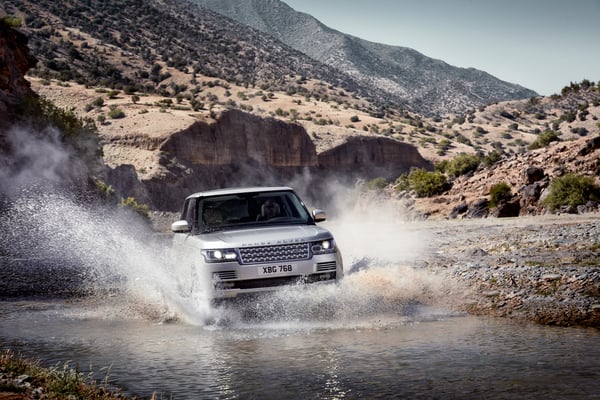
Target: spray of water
point(133, 274)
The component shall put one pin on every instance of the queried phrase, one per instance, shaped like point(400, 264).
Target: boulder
point(459, 209)
point(478, 209)
point(534, 174)
point(507, 209)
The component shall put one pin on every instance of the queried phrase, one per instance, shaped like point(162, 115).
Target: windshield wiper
point(212, 229)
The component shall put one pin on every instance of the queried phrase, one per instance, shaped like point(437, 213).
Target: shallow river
point(418, 352)
point(367, 337)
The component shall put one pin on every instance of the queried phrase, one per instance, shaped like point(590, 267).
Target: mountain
point(400, 75)
point(133, 43)
point(157, 147)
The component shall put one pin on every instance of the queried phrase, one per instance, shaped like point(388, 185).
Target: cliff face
point(368, 157)
point(236, 149)
point(15, 61)
point(239, 138)
point(241, 149)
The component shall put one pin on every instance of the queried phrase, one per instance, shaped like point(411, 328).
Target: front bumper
point(231, 279)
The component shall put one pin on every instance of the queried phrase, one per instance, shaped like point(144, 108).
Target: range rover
point(255, 239)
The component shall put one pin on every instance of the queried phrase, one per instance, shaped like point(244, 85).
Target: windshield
point(250, 209)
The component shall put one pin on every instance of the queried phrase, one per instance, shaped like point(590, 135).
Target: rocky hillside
point(404, 76)
point(162, 47)
point(528, 177)
point(159, 145)
point(15, 61)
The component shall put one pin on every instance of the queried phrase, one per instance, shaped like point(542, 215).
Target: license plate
point(276, 269)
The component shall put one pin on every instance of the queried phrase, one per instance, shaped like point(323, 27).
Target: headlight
point(323, 246)
point(221, 255)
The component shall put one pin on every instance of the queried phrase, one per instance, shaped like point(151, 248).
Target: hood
point(264, 236)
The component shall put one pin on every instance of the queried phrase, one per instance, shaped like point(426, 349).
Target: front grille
point(326, 266)
point(283, 252)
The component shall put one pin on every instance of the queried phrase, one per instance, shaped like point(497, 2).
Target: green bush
point(492, 158)
point(377, 184)
point(571, 190)
point(424, 183)
point(12, 21)
point(132, 204)
point(402, 183)
point(462, 164)
point(116, 113)
point(498, 192)
point(544, 139)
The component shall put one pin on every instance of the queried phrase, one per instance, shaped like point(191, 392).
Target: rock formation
point(242, 149)
point(15, 61)
point(371, 157)
point(529, 176)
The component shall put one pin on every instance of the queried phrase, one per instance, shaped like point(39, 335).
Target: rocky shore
point(544, 269)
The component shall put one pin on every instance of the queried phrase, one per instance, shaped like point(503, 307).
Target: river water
point(419, 352)
point(386, 331)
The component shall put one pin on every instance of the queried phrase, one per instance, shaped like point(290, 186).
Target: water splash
point(114, 250)
point(132, 272)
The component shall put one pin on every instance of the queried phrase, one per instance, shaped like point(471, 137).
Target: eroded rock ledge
point(242, 149)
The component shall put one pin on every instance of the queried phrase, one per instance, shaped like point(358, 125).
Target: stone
point(534, 174)
point(459, 209)
point(478, 209)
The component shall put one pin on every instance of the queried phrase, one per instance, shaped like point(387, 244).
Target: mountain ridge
point(406, 77)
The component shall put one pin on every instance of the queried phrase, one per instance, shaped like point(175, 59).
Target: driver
point(269, 209)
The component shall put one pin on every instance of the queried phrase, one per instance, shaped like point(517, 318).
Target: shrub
point(425, 183)
point(377, 184)
point(498, 192)
point(99, 102)
point(462, 164)
point(116, 113)
point(402, 183)
point(544, 139)
point(131, 203)
point(571, 190)
point(11, 21)
point(491, 158)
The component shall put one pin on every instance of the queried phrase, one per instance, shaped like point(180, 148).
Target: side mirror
point(319, 215)
point(180, 226)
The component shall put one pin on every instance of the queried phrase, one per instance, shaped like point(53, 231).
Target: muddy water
point(416, 352)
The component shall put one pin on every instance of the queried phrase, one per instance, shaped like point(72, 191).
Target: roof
point(250, 189)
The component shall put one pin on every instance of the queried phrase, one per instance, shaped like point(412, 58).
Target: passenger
point(212, 217)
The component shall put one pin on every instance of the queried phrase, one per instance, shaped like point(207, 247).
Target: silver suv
point(254, 240)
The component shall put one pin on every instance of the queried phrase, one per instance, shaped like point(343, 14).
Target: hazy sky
point(540, 44)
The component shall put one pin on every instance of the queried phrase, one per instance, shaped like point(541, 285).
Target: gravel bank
point(545, 269)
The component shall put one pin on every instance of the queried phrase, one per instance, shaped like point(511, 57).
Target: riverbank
point(24, 379)
point(544, 269)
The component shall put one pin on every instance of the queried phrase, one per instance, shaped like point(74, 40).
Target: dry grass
point(26, 379)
